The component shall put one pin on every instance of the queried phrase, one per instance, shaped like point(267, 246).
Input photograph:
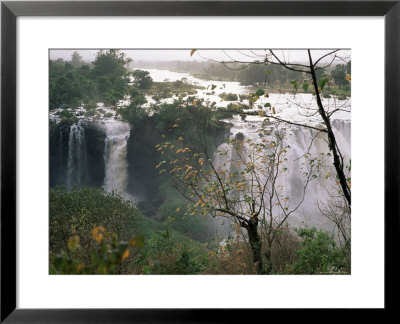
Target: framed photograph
point(188, 161)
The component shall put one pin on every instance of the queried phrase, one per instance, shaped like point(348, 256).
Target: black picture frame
point(10, 10)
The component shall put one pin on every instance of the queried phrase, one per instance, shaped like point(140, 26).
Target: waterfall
point(292, 181)
point(116, 173)
point(77, 163)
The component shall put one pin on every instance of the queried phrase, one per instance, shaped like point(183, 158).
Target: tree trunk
point(255, 242)
point(268, 257)
point(337, 162)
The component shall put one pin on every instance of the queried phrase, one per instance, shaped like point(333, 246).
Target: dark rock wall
point(58, 152)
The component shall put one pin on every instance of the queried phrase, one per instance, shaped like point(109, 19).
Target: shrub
point(229, 96)
point(90, 113)
point(107, 257)
point(90, 105)
point(318, 254)
point(78, 211)
point(326, 94)
point(168, 252)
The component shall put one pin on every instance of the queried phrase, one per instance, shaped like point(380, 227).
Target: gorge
point(106, 151)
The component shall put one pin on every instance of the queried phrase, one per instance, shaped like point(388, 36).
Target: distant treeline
point(251, 74)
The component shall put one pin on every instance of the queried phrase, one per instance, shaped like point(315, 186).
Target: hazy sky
point(200, 55)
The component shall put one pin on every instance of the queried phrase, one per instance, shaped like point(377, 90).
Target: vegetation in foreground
point(111, 236)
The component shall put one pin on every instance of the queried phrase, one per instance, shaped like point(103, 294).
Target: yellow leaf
point(178, 209)
point(180, 139)
point(73, 243)
point(201, 161)
point(125, 255)
point(137, 241)
point(80, 267)
point(192, 52)
point(97, 234)
point(348, 77)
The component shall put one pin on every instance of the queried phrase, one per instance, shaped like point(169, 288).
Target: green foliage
point(111, 63)
point(196, 226)
point(91, 104)
point(339, 75)
point(142, 79)
point(78, 211)
point(259, 92)
point(348, 68)
point(67, 118)
point(294, 84)
point(228, 112)
point(107, 257)
point(134, 113)
point(64, 86)
point(76, 60)
point(73, 83)
point(318, 254)
point(323, 82)
point(168, 252)
point(92, 231)
point(183, 118)
point(190, 263)
point(326, 94)
point(179, 88)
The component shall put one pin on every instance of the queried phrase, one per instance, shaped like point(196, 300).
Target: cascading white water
point(292, 181)
point(116, 173)
point(77, 162)
point(319, 190)
point(299, 109)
